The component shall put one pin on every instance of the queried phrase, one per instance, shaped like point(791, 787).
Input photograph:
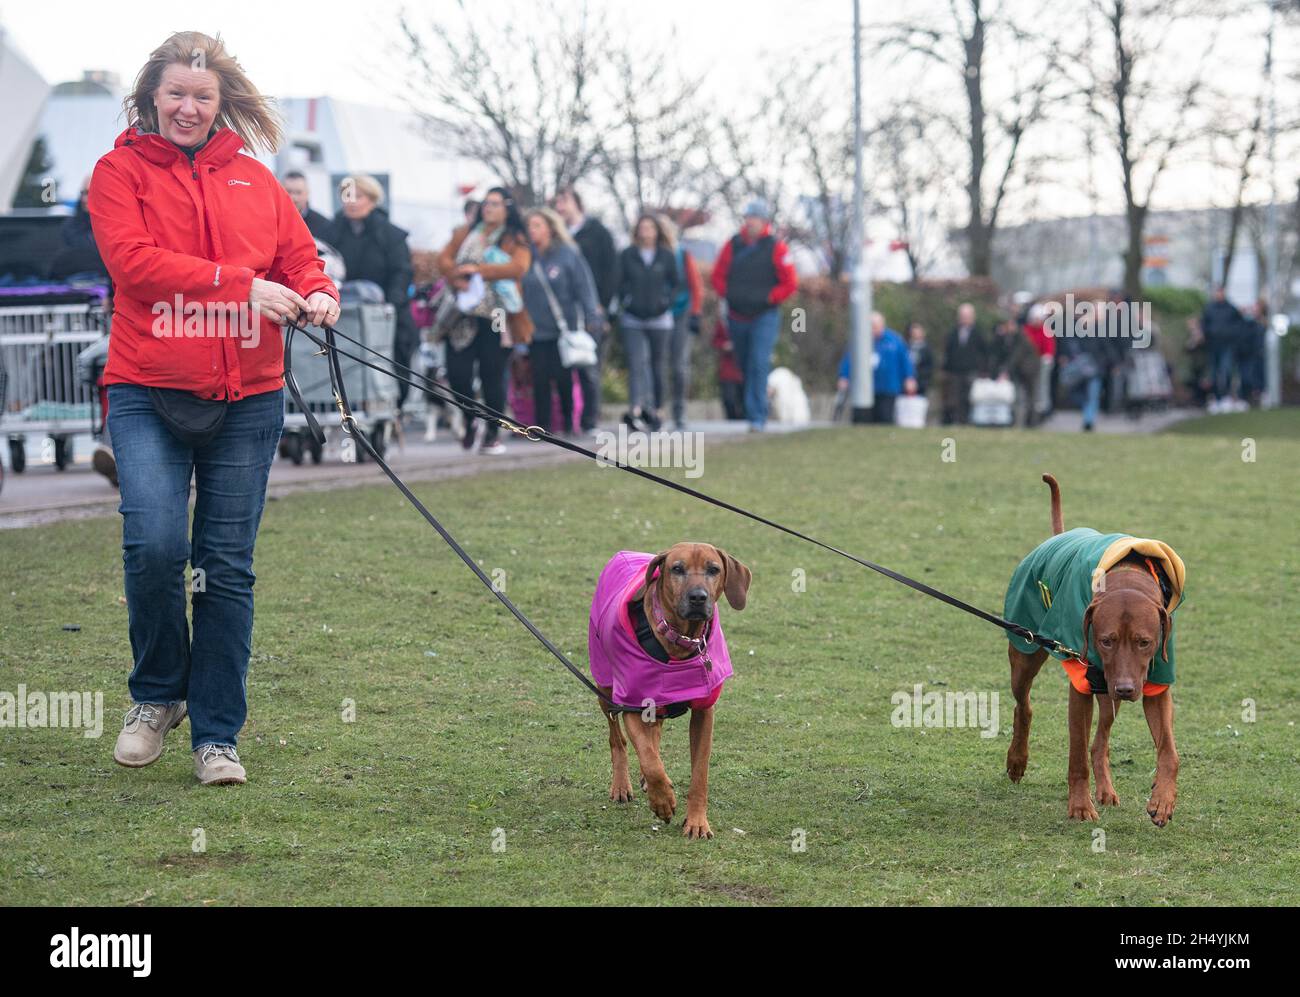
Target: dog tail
point(1058, 524)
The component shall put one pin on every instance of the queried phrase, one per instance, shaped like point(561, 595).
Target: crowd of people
point(1021, 353)
point(1031, 364)
point(553, 271)
point(1225, 347)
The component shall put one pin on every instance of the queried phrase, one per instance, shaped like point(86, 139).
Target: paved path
point(1150, 422)
point(43, 494)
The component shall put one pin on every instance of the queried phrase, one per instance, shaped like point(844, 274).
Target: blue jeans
point(1091, 400)
point(230, 475)
point(1225, 362)
point(754, 339)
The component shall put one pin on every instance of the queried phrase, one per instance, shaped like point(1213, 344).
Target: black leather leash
point(473, 407)
point(349, 424)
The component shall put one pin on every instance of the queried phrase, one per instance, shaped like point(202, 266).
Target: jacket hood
point(221, 147)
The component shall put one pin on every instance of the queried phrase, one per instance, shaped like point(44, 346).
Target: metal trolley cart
point(373, 395)
point(45, 395)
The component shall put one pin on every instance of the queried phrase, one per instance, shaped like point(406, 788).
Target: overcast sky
point(332, 47)
point(324, 46)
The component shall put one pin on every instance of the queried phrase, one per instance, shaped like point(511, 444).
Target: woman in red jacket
point(208, 256)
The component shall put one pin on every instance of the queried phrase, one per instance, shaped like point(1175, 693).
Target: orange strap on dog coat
point(1077, 672)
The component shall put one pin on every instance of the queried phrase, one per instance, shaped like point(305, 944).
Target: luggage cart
point(45, 396)
point(373, 395)
point(1147, 385)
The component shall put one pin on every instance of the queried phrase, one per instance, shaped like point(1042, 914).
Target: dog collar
point(675, 636)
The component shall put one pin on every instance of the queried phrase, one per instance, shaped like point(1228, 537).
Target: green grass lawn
point(465, 724)
point(1278, 423)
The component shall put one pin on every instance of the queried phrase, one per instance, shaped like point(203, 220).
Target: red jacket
point(787, 278)
point(182, 244)
point(728, 369)
point(1043, 343)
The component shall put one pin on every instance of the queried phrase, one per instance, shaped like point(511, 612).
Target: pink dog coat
point(619, 660)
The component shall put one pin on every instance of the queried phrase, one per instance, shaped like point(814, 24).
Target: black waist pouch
point(193, 420)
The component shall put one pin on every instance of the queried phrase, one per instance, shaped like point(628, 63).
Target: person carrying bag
point(483, 263)
point(560, 295)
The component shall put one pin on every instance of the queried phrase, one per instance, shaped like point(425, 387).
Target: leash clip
point(347, 419)
point(525, 432)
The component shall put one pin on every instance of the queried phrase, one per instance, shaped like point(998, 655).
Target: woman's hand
point(274, 301)
point(322, 309)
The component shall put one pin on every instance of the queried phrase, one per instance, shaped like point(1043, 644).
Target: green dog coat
point(1052, 587)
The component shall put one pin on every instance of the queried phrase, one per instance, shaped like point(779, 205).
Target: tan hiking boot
point(143, 730)
point(218, 764)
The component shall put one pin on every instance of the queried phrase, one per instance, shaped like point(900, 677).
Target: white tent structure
point(80, 124)
point(24, 93)
point(426, 185)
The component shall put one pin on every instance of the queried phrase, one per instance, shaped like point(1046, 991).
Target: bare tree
point(1002, 107)
point(811, 123)
point(650, 149)
point(1146, 97)
point(911, 183)
point(515, 99)
point(746, 157)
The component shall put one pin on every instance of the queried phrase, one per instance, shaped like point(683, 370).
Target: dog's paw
point(1083, 810)
point(663, 801)
point(621, 791)
point(643, 785)
point(1160, 808)
point(1106, 796)
point(1016, 764)
point(697, 827)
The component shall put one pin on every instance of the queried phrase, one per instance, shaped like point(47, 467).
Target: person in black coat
point(375, 249)
point(1250, 351)
point(295, 185)
point(594, 240)
point(964, 359)
point(597, 247)
point(1221, 324)
point(922, 357)
point(79, 254)
point(647, 283)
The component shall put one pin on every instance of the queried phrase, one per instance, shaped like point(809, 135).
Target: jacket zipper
point(194, 172)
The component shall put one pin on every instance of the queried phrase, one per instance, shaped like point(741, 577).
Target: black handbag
point(193, 420)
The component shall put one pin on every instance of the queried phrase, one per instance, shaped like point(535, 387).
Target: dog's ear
point(1087, 624)
point(735, 580)
point(1166, 628)
point(655, 564)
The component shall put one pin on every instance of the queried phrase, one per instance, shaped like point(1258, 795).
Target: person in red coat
point(755, 274)
point(208, 258)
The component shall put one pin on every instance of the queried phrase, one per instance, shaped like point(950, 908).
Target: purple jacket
point(618, 660)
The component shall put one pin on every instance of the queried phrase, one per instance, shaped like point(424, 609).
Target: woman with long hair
point(559, 290)
point(486, 259)
point(648, 282)
point(208, 257)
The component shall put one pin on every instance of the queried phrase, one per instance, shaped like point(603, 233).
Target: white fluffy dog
point(786, 399)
